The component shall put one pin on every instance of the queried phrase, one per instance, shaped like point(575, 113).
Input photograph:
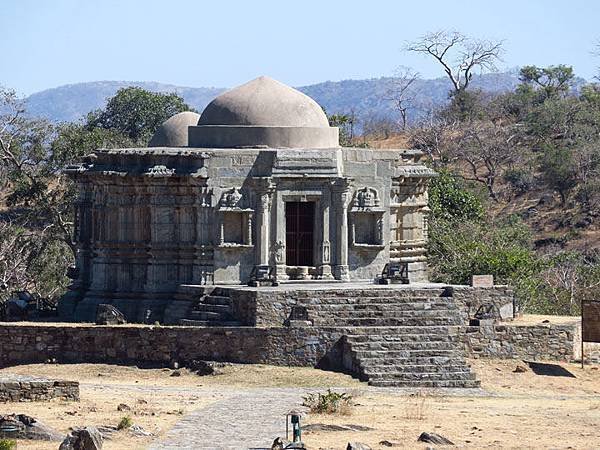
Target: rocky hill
point(367, 98)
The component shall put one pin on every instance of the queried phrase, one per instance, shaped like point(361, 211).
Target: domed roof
point(264, 102)
point(174, 131)
point(263, 113)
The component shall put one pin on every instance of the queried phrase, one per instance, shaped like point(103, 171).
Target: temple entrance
point(299, 235)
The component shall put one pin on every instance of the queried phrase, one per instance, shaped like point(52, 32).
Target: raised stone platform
point(20, 388)
point(388, 335)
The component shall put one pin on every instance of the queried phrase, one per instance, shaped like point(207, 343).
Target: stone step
point(205, 315)
point(424, 376)
point(412, 360)
point(396, 307)
point(391, 348)
point(367, 313)
point(415, 368)
point(402, 330)
point(406, 355)
point(220, 292)
point(368, 300)
point(386, 321)
point(395, 292)
point(209, 323)
point(470, 384)
point(221, 309)
point(216, 300)
point(438, 336)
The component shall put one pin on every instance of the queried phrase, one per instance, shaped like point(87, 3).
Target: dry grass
point(105, 387)
point(522, 411)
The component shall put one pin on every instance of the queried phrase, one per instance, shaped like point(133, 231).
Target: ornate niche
point(235, 221)
point(366, 220)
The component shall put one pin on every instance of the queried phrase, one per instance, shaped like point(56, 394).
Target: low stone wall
point(469, 299)
point(160, 344)
point(19, 388)
point(265, 307)
point(535, 342)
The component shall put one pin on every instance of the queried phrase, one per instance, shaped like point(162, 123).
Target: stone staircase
point(213, 308)
point(401, 337)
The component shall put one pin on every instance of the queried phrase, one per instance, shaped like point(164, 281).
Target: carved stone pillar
point(409, 206)
point(280, 241)
point(341, 267)
point(325, 244)
point(263, 223)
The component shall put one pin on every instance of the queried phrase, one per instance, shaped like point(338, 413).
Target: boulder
point(88, 438)
point(20, 426)
point(357, 446)
point(433, 438)
point(109, 315)
point(201, 368)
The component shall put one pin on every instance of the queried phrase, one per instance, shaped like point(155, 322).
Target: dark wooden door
point(299, 225)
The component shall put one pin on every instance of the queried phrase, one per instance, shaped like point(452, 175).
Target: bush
point(125, 423)
point(328, 403)
point(449, 199)
point(7, 444)
point(459, 249)
point(521, 180)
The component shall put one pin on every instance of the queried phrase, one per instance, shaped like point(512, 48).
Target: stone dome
point(264, 102)
point(263, 113)
point(174, 131)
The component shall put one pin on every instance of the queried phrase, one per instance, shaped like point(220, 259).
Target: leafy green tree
point(551, 81)
point(558, 170)
point(137, 113)
point(450, 200)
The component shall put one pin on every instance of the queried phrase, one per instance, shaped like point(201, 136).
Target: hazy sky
point(224, 43)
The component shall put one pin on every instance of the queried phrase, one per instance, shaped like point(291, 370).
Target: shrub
point(449, 199)
point(8, 444)
point(125, 423)
point(521, 180)
point(328, 403)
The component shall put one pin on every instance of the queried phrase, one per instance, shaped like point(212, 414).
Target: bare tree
point(459, 55)
point(488, 148)
point(401, 92)
point(24, 155)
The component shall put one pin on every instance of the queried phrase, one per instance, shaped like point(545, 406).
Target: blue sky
point(45, 44)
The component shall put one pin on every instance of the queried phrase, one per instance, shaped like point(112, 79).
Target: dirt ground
point(514, 410)
point(518, 411)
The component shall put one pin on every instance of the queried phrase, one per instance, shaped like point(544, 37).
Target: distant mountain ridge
point(367, 98)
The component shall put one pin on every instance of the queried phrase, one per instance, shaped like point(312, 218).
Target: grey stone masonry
point(20, 388)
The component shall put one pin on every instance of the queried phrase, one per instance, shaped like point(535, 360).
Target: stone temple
point(252, 236)
point(256, 188)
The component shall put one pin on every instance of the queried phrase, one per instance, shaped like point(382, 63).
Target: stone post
point(280, 241)
point(341, 267)
point(263, 223)
point(325, 266)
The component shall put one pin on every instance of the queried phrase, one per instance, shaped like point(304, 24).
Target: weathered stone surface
point(482, 281)
point(357, 446)
point(434, 438)
point(20, 426)
point(109, 315)
point(17, 388)
point(88, 438)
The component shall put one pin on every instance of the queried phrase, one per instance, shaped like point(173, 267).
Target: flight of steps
point(213, 308)
point(397, 337)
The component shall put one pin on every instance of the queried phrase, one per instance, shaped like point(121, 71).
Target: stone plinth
point(20, 388)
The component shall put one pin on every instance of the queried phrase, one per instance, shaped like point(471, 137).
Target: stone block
point(482, 281)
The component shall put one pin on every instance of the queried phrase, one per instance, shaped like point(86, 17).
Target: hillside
point(367, 98)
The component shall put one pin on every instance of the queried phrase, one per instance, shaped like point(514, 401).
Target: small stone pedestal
point(19, 388)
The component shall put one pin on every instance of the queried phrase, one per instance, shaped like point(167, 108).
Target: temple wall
point(305, 346)
point(151, 220)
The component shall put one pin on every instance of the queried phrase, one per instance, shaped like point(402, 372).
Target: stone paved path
point(245, 420)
